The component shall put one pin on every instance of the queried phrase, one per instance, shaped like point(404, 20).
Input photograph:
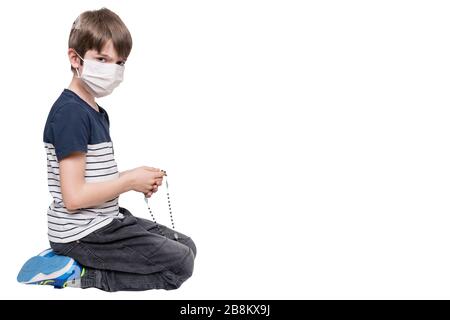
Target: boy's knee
point(176, 277)
point(186, 268)
point(191, 244)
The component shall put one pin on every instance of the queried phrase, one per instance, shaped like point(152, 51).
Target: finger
point(160, 175)
point(152, 169)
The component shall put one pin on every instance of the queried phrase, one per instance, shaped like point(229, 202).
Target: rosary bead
point(170, 211)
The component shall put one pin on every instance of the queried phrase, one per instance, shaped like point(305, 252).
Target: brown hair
point(92, 29)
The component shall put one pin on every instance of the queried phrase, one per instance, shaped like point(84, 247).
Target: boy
point(112, 249)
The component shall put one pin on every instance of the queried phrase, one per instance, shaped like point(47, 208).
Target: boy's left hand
point(155, 188)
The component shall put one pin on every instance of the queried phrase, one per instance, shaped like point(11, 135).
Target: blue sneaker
point(47, 253)
point(48, 268)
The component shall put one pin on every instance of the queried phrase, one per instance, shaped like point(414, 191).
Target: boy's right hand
point(145, 179)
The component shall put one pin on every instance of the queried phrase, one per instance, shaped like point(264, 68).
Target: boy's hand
point(149, 194)
point(146, 179)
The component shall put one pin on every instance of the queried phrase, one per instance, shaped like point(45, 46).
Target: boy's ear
point(73, 58)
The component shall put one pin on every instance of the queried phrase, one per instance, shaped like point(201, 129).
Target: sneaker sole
point(49, 268)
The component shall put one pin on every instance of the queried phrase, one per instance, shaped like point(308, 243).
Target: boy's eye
point(122, 63)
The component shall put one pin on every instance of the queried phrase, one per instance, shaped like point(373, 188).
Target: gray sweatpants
point(130, 254)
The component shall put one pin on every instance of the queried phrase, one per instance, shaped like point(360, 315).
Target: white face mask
point(100, 77)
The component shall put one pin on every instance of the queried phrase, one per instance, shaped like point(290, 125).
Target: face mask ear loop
point(78, 73)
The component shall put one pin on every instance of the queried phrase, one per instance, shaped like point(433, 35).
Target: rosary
point(175, 235)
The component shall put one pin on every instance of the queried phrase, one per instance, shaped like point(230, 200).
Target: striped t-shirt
point(73, 125)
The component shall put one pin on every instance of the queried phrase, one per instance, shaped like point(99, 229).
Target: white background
point(306, 142)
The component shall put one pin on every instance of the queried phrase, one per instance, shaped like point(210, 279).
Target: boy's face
point(108, 55)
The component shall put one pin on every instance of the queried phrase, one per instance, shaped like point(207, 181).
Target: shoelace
point(175, 235)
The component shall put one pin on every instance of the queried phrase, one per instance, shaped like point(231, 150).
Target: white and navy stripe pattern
point(74, 125)
point(65, 225)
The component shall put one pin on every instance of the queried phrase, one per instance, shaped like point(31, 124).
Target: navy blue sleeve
point(70, 128)
point(107, 118)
